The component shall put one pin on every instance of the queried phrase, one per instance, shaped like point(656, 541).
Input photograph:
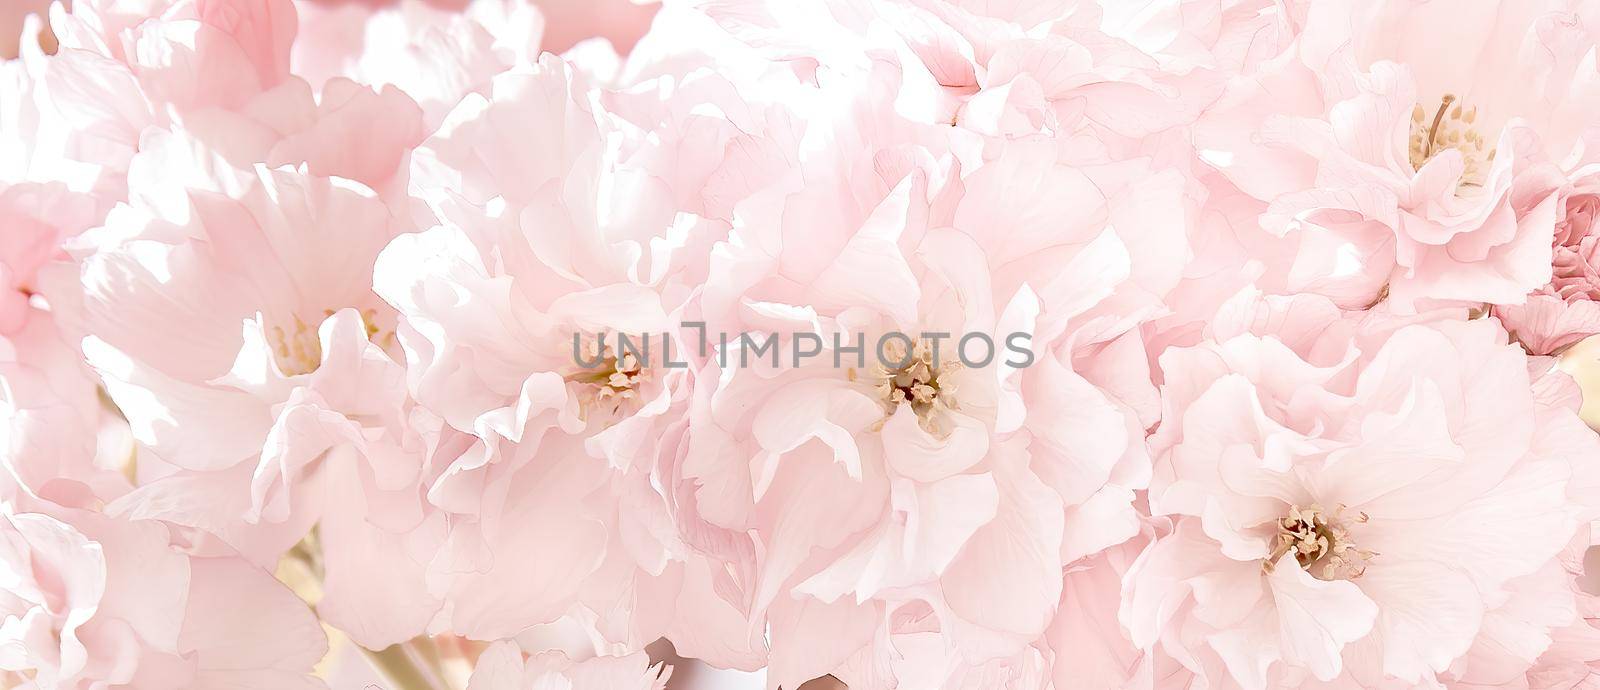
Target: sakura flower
point(910, 649)
point(348, 130)
point(890, 491)
point(72, 119)
point(171, 247)
point(434, 54)
point(1010, 69)
point(50, 413)
point(190, 53)
point(1090, 646)
point(1226, 37)
point(40, 544)
point(1407, 172)
point(1564, 311)
point(123, 67)
point(116, 76)
point(619, 22)
point(503, 667)
point(543, 252)
point(578, 272)
point(58, 442)
point(900, 344)
point(38, 219)
point(291, 370)
point(107, 602)
point(1314, 541)
point(1539, 633)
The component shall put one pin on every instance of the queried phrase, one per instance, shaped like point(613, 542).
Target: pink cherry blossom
point(58, 442)
point(496, 298)
point(1406, 174)
point(876, 505)
point(433, 53)
point(1012, 69)
point(503, 667)
point(308, 415)
point(1564, 311)
point(1318, 537)
point(313, 372)
point(99, 602)
point(38, 218)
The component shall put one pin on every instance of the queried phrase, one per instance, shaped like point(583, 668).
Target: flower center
point(1320, 543)
point(299, 351)
point(615, 380)
point(1450, 127)
point(920, 383)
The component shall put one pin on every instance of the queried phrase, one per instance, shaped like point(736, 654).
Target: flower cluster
point(311, 376)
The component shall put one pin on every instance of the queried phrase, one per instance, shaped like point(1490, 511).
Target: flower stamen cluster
point(1451, 127)
point(1321, 543)
point(924, 381)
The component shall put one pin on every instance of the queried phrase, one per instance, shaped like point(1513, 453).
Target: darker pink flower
point(1567, 309)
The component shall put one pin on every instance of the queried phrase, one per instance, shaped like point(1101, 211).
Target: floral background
point(290, 292)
